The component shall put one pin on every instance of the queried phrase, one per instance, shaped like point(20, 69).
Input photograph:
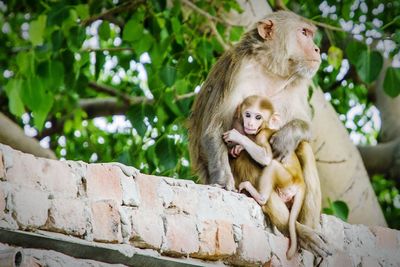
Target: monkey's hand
point(235, 151)
point(288, 138)
point(232, 136)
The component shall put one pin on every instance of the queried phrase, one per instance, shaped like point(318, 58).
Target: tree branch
point(206, 14)
point(218, 36)
point(11, 134)
point(110, 49)
point(108, 13)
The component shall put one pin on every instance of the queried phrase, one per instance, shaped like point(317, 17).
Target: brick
point(216, 240)
point(368, 261)
point(333, 229)
point(339, 258)
point(30, 207)
point(24, 170)
point(130, 192)
point(181, 236)
point(385, 238)
point(106, 222)
point(147, 229)
point(38, 173)
point(254, 246)
point(280, 245)
point(225, 242)
point(2, 167)
point(103, 182)
point(149, 191)
point(68, 216)
point(58, 178)
point(2, 200)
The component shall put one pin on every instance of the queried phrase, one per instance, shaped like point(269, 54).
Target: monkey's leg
point(218, 162)
point(311, 211)
point(269, 177)
point(294, 213)
point(309, 239)
point(260, 199)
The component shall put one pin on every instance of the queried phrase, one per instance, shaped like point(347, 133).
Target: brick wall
point(98, 203)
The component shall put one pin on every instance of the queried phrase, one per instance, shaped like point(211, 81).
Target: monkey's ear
point(265, 29)
point(275, 121)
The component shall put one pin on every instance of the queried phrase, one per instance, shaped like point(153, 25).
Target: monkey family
point(254, 123)
point(277, 60)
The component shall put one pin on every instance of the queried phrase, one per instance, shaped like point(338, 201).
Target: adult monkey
point(276, 59)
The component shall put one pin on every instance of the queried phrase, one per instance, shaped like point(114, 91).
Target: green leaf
point(335, 56)
point(369, 66)
point(177, 28)
point(133, 30)
point(236, 33)
point(25, 62)
point(391, 84)
point(144, 43)
point(340, 210)
point(13, 90)
point(82, 11)
point(353, 50)
point(36, 30)
point(168, 75)
point(136, 117)
point(166, 151)
point(104, 30)
point(37, 99)
point(76, 37)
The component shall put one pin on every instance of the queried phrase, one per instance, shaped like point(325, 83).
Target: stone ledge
point(100, 205)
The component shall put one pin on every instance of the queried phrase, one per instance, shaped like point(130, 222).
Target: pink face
point(252, 120)
point(307, 50)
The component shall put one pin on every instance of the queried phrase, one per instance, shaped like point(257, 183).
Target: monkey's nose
point(316, 49)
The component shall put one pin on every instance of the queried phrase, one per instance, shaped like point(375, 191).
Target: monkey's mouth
point(250, 131)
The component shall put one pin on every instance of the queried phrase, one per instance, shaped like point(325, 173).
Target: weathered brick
point(2, 200)
point(385, 238)
point(368, 261)
point(103, 182)
point(68, 216)
point(58, 178)
point(38, 173)
point(216, 240)
point(181, 237)
point(130, 192)
point(225, 242)
point(147, 229)
point(2, 167)
point(149, 191)
point(333, 229)
point(339, 258)
point(106, 222)
point(23, 170)
point(280, 245)
point(30, 207)
point(254, 246)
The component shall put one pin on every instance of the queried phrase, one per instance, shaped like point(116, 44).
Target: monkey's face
point(252, 120)
point(305, 54)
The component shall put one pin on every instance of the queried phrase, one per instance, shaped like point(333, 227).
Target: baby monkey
point(253, 166)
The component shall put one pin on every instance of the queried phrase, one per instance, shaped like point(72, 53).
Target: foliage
point(337, 208)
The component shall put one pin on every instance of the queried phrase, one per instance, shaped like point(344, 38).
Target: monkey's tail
point(311, 211)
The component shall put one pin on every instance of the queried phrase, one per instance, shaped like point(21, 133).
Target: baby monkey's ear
point(275, 121)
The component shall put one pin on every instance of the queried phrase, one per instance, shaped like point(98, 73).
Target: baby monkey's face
point(252, 120)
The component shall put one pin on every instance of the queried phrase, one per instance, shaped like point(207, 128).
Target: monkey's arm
point(258, 153)
point(286, 139)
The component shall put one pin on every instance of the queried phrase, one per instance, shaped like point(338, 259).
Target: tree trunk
point(341, 169)
point(384, 158)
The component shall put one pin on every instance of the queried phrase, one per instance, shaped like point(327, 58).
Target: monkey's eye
point(258, 117)
point(304, 31)
point(247, 114)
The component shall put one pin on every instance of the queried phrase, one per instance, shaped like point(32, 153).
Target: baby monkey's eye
point(247, 114)
point(258, 117)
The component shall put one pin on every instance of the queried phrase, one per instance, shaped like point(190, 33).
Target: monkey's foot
point(127, 170)
point(314, 241)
